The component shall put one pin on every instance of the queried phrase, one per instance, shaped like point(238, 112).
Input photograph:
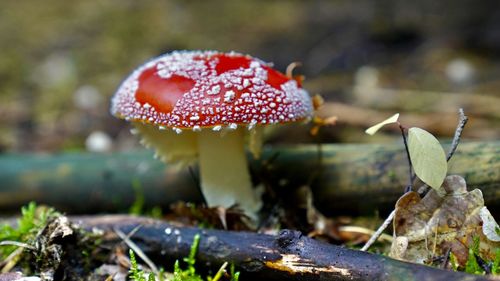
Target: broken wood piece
point(287, 256)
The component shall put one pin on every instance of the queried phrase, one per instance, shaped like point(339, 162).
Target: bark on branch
point(287, 256)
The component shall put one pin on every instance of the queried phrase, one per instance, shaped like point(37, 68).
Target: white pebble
point(98, 141)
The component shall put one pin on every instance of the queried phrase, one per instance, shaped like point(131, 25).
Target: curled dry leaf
point(373, 129)
point(490, 226)
point(445, 219)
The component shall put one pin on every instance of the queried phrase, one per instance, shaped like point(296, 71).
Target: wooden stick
point(287, 256)
point(346, 179)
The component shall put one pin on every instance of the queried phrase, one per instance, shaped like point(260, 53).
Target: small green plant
point(495, 267)
point(135, 273)
point(235, 276)
point(188, 274)
point(32, 220)
point(472, 266)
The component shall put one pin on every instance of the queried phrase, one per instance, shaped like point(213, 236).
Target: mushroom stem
point(224, 175)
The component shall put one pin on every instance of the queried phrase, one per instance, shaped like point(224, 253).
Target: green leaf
point(373, 129)
point(427, 157)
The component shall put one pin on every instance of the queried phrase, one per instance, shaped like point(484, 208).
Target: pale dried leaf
point(490, 226)
point(373, 129)
point(398, 247)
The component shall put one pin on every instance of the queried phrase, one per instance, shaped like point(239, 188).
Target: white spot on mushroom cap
point(229, 96)
point(214, 91)
point(201, 106)
point(252, 124)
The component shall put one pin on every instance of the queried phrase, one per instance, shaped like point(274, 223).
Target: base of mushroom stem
point(224, 174)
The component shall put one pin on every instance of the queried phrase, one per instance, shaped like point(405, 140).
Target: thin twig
point(379, 231)
point(133, 231)
point(483, 264)
point(11, 260)
point(408, 188)
point(444, 264)
point(137, 250)
point(423, 189)
point(458, 133)
point(18, 244)
point(410, 166)
point(462, 120)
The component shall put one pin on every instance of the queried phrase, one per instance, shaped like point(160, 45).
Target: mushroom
point(193, 105)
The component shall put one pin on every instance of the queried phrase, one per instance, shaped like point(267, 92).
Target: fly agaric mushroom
point(190, 104)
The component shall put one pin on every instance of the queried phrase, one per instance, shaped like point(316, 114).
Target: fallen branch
point(287, 256)
point(350, 178)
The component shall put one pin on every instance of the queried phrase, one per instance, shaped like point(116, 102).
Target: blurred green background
point(61, 61)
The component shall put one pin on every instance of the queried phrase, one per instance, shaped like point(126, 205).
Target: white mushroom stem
point(224, 174)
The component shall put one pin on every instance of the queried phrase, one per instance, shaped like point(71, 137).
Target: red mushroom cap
point(194, 89)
